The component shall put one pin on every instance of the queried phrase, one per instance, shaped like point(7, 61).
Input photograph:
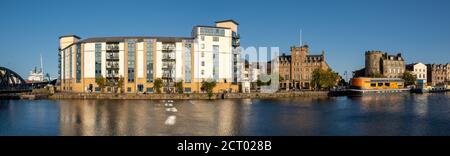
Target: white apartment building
point(209, 54)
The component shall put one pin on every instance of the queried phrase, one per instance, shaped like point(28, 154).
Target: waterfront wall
point(185, 96)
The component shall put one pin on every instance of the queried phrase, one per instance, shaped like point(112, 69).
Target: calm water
point(427, 114)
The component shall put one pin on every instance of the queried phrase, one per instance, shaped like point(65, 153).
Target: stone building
point(296, 69)
point(377, 62)
point(284, 65)
point(438, 74)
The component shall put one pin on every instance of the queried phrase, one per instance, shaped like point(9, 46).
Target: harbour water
point(409, 114)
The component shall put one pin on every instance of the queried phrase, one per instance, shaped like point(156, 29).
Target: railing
point(236, 43)
point(112, 47)
point(112, 57)
point(116, 65)
point(112, 75)
point(235, 35)
point(168, 47)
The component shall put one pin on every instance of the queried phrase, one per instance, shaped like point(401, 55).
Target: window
point(216, 62)
point(78, 63)
point(203, 63)
point(129, 89)
point(187, 90)
point(149, 90)
point(203, 54)
point(149, 52)
point(216, 39)
point(98, 59)
point(187, 63)
point(203, 46)
point(373, 84)
point(203, 38)
point(387, 84)
point(212, 31)
point(202, 72)
point(70, 63)
point(131, 60)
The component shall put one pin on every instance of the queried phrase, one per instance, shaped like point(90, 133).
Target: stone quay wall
point(199, 96)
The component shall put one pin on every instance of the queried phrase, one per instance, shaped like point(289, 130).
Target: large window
point(78, 63)
point(212, 31)
point(216, 62)
point(187, 63)
point(70, 63)
point(149, 53)
point(131, 60)
point(98, 59)
point(63, 64)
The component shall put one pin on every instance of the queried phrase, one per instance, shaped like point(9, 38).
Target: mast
point(42, 68)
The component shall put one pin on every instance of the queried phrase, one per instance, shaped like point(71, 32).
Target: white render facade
point(207, 55)
point(419, 70)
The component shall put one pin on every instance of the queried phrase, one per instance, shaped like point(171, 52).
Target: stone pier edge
point(193, 96)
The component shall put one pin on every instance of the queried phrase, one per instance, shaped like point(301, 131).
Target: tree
point(324, 79)
point(120, 84)
point(101, 82)
point(179, 86)
point(157, 85)
point(409, 78)
point(376, 75)
point(208, 86)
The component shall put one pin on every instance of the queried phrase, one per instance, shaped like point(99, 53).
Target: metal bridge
point(11, 82)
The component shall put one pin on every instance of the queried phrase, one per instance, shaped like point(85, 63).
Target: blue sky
point(344, 29)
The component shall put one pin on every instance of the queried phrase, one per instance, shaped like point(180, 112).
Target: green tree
point(208, 86)
point(101, 82)
point(157, 85)
point(120, 84)
point(324, 79)
point(409, 78)
point(179, 86)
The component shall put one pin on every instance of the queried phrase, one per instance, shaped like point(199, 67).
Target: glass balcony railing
point(112, 57)
point(112, 47)
point(112, 65)
point(112, 75)
point(168, 47)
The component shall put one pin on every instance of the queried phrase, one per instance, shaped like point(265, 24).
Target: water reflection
point(427, 114)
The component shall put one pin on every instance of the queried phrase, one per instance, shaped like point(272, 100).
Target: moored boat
point(361, 86)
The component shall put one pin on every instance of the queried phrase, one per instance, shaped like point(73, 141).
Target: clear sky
point(344, 29)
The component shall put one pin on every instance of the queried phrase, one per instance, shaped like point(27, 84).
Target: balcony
point(236, 43)
point(168, 59)
point(236, 35)
point(112, 66)
point(112, 58)
point(167, 76)
point(168, 48)
point(114, 75)
point(112, 48)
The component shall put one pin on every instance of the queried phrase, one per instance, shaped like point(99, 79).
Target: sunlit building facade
point(210, 53)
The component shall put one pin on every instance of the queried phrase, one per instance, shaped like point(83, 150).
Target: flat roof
point(139, 38)
point(70, 36)
point(206, 26)
point(228, 20)
point(123, 38)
